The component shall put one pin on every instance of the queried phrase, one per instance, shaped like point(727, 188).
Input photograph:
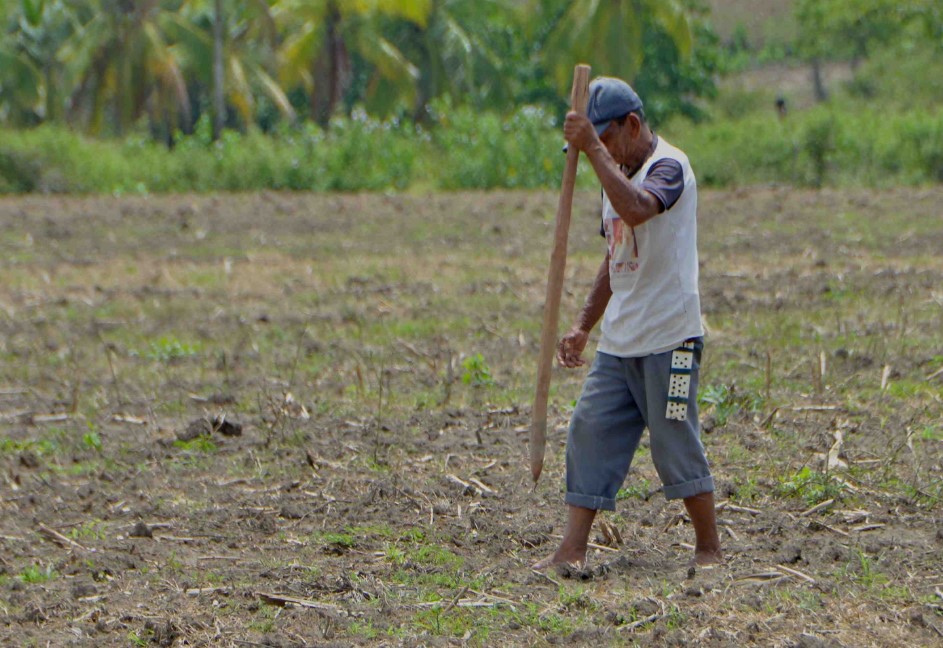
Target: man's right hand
point(570, 348)
point(578, 131)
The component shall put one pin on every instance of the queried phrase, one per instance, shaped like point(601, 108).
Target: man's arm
point(570, 349)
point(634, 205)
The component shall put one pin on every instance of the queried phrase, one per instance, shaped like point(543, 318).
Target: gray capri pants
point(621, 397)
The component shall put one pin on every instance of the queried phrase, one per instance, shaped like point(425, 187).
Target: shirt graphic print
point(623, 246)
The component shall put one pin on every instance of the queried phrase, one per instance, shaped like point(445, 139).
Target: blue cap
point(610, 98)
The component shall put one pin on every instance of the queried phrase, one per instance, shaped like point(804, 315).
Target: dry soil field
point(296, 420)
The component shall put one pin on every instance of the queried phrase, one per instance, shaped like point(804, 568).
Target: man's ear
point(634, 124)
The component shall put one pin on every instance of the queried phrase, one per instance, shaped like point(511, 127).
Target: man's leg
point(677, 451)
point(704, 519)
point(572, 549)
point(604, 432)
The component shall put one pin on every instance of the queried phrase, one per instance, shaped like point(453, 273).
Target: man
point(645, 372)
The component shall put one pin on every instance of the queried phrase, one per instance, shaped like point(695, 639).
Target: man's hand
point(570, 348)
point(579, 131)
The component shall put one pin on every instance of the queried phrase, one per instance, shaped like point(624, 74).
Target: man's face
point(623, 141)
point(612, 138)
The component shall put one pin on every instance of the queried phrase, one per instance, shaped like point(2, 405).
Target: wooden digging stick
point(579, 96)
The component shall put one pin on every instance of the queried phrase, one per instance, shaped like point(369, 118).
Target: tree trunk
point(52, 94)
point(818, 84)
point(330, 71)
point(325, 69)
point(428, 77)
point(219, 104)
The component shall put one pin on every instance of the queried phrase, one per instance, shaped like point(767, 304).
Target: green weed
point(92, 440)
point(137, 640)
point(476, 372)
point(812, 486)
point(639, 490)
point(723, 401)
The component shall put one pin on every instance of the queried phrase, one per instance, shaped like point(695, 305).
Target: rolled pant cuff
point(594, 502)
point(690, 489)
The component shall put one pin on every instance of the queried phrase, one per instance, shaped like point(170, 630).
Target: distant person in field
point(645, 373)
point(781, 107)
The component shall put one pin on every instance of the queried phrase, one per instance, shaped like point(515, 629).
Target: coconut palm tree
point(607, 34)
point(230, 53)
point(454, 53)
point(123, 65)
point(31, 73)
point(322, 35)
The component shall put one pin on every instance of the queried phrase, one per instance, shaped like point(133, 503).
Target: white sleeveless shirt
point(653, 272)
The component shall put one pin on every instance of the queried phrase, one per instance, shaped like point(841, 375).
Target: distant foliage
point(831, 145)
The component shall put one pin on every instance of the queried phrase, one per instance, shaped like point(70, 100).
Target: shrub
point(837, 144)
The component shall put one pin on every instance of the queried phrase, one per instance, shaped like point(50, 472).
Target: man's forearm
point(633, 205)
point(597, 300)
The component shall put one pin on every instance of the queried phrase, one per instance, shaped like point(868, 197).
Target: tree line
point(109, 66)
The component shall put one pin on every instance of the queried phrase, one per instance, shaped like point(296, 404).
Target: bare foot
point(705, 558)
point(574, 557)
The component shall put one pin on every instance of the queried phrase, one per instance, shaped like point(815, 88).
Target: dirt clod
point(141, 530)
point(196, 428)
point(81, 589)
point(226, 427)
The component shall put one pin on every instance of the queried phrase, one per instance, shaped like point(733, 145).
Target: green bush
point(837, 145)
point(842, 143)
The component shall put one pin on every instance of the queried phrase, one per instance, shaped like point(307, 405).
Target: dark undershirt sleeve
point(665, 181)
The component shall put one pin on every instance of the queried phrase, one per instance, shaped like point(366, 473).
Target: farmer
point(645, 372)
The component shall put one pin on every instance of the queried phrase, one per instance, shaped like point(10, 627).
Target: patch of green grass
point(364, 629)
point(932, 433)
point(575, 598)
point(168, 348)
point(201, 444)
point(929, 494)
point(346, 540)
point(423, 580)
point(394, 555)
point(899, 594)
point(863, 571)
point(436, 555)
point(264, 621)
point(747, 490)
point(37, 574)
point(173, 563)
point(90, 530)
point(675, 618)
point(456, 623)
point(414, 534)
point(736, 453)
point(805, 599)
